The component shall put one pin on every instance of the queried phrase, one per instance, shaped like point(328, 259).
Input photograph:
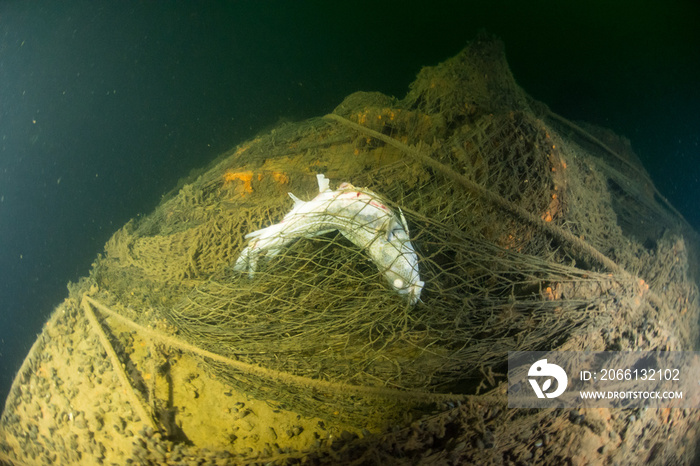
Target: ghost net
point(528, 234)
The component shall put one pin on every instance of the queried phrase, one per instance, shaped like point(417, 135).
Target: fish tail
point(247, 261)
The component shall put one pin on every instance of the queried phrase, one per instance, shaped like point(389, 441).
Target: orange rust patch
point(549, 294)
point(245, 177)
point(280, 177)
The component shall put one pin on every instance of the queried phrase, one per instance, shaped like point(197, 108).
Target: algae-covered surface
point(73, 409)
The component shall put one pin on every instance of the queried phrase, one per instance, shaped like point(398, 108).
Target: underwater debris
point(361, 217)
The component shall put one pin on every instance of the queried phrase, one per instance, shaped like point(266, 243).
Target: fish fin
point(323, 183)
point(403, 220)
point(267, 231)
point(391, 225)
point(388, 227)
point(242, 261)
point(254, 234)
point(297, 201)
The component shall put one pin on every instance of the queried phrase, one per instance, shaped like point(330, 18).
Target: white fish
point(361, 217)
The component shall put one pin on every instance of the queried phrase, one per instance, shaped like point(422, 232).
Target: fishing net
point(531, 232)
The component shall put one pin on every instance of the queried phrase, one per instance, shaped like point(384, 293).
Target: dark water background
point(105, 104)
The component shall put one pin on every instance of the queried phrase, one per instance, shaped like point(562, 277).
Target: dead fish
point(361, 217)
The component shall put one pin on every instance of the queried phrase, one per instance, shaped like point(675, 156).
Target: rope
point(490, 196)
point(116, 363)
point(629, 165)
point(494, 198)
point(278, 376)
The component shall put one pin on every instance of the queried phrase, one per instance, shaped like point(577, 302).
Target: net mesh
point(496, 278)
